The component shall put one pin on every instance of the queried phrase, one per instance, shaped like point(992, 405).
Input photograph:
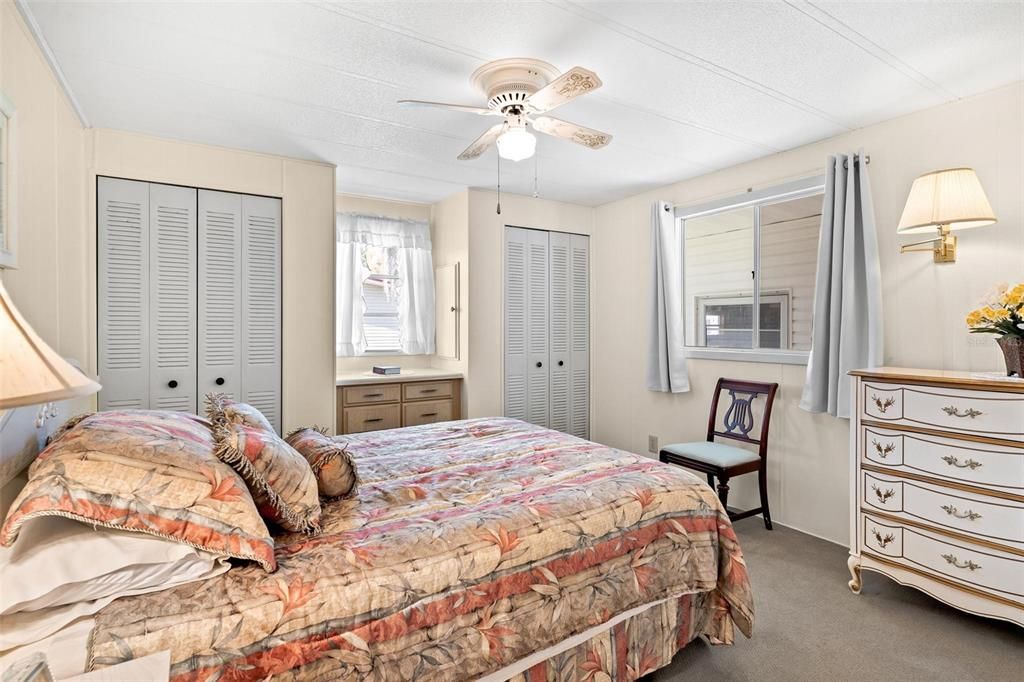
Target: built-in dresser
point(372, 402)
point(938, 486)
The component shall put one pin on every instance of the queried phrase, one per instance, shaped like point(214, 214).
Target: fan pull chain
point(499, 184)
point(536, 191)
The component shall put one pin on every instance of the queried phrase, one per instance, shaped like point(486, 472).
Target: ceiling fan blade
point(588, 137)
point(480, 144)
point(456, 107)
point(571, 84)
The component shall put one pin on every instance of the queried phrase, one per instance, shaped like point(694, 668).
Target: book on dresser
point(937, 486)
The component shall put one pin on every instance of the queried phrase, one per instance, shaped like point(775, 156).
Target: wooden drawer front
point(385, 393)
point(428, 389)
point(427, 412)
point(372, 418)
point(882, 493)
point(984, 517)
point(953, 460)
point(881, 537)
point(980, 413)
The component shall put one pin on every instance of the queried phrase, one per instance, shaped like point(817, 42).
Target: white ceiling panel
point(688, 87)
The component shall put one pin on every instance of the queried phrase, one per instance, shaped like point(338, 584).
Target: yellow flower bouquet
point(1003, 315)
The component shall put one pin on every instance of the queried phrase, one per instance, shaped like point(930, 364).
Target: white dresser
point(937, 486)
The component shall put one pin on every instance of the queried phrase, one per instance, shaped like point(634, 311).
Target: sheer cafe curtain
point(415, 269)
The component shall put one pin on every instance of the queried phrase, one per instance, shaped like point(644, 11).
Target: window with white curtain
point(385, 286)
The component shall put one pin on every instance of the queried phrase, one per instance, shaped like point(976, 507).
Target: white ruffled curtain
point(411, 238)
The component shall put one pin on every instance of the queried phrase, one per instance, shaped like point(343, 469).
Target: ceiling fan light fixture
point(516, 144)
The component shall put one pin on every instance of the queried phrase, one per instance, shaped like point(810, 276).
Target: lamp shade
point(952, 197)
point(30, 371)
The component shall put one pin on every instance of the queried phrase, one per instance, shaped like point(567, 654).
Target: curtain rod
point(857, 157)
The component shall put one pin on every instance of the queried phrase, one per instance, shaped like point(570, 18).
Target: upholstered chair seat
point(715, 454)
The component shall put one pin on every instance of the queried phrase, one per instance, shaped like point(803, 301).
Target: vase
point(1013, 353)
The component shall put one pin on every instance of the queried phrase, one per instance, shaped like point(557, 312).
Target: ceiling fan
point(519, 89)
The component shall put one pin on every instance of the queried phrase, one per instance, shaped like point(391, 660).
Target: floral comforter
point(470, 545)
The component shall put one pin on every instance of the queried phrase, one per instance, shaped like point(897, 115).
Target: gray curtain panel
point(847, 323)
point(666, 359)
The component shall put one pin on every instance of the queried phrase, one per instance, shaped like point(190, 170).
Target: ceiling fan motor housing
point(508, 82)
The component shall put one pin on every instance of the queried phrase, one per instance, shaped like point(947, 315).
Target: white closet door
point(123, 293)
point(580, 333)
point(516, 395)
point(220, 293)
point(538, 328)
point(560, 331)
point(261, 297)
point(172, 298)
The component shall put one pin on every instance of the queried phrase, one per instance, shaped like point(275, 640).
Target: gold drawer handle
point(429, 414)
point(969, 565)
point(882, 497)
point(953, 511)
point(955, 412)
point(428, 390)
point(882, 542)
point(883, 405)
point(371, 421)
point(883, 452)
point(954, 462)
point(373, 395)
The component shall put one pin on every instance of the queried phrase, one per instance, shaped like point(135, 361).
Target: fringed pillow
point(145, 471)
point(281, 481)
point(334, 469)
point(221, 409)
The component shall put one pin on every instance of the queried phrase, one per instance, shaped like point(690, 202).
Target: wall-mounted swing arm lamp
point(944, 201)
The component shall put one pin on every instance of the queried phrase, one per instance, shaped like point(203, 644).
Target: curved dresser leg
point(853, 563)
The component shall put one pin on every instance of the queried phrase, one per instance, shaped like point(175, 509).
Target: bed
point(485, 548)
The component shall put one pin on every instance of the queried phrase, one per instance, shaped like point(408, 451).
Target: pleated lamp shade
point(30, 371)
point(952, 197)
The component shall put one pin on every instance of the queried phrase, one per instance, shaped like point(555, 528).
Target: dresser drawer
point(429, 389)
point(882, 493)
point(372, 418)
point(962, 562)
point(427, 412)
point(384, 393)
point(982, 413)
point(958, 461)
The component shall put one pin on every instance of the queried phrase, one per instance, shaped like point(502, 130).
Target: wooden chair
point(722, 461)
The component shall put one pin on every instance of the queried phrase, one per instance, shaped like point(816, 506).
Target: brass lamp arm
point(910, 247)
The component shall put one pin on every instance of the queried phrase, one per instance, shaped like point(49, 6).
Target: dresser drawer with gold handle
point(382, 393)
point(428, 389)
point(372, 418)
point(965, 563)
point(964, 462)
point(882, 493)
point(427, 412)
point(881, 537)
point(987, 518)
point(977, 413)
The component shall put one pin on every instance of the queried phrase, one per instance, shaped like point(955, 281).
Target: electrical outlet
point(652, 444)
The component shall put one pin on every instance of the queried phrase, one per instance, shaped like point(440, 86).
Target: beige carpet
point(809, 626)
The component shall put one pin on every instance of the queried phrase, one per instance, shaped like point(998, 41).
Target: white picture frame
point(8, 229)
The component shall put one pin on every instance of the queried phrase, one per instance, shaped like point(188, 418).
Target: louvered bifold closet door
point(579, 363)
point(122, 215)
point(261, 305)
point(516, 394)
point(220, 293)
point(538, 328)
point(172, 298)
point(560, 330)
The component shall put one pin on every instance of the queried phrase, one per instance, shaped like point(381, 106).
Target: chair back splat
point(739, 420)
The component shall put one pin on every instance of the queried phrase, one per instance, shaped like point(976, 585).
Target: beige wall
point(924, 303)
point(49, 203)
point(484, 386)
point(450, 236)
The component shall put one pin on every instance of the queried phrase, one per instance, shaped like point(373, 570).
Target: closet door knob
point(173, 383)
point(540, 364)
point(561, 363)
point(453, 309)
point(219, 381)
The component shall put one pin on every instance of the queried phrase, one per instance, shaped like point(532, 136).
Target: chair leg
point(723, 491)
point(711, 480)
point(762, 484)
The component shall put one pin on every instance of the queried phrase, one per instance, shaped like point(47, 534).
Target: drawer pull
point(955, 412)
point(969, 565)
point(429, 414)
point(882, 542)
point(883, 497)
point(954, 462)
point(373, 395)
point(953, 511)
point(883, 452)
point(371, 421)
point(428, 390)
point(883, 405)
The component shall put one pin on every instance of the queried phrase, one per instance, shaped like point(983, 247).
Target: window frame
point(781, 296)
point(787, 191)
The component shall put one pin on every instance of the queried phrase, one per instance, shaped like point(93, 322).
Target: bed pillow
point(145, 471)
point(220, 409)
point(331, 464)
point(281, 479)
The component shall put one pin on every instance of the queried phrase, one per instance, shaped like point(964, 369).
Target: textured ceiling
point(689, 87)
